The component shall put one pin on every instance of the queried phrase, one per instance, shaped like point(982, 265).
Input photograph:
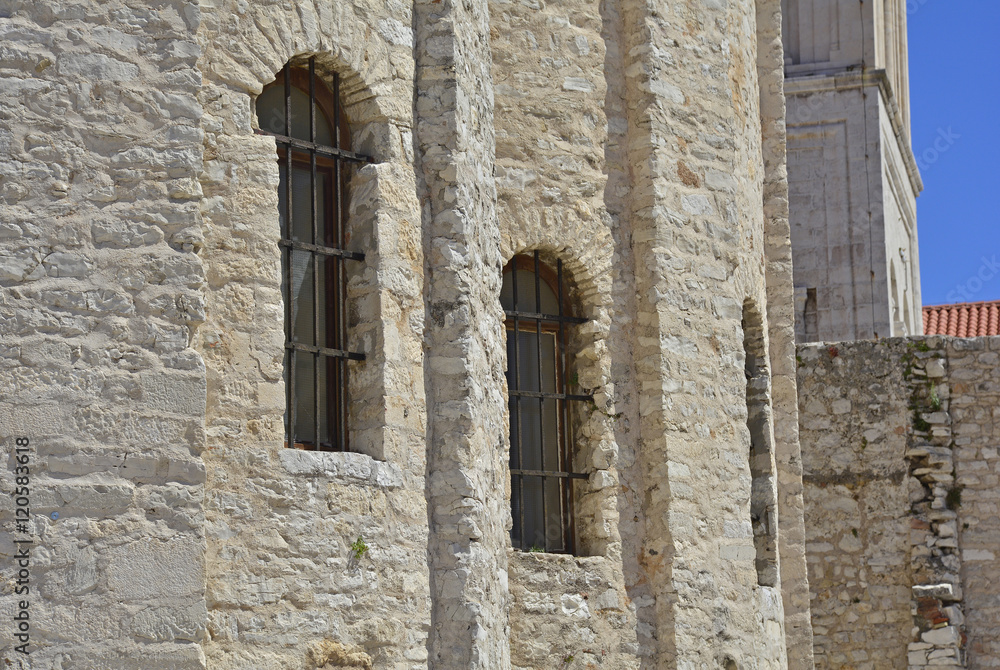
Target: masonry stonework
point(899, 440)
point(104, 291)
point(853, 177)
point(640, 146)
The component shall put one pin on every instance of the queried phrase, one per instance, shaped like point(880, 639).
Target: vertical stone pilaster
point(466, 447)
point(657, 597)
point(781, 323)
point(687, 85)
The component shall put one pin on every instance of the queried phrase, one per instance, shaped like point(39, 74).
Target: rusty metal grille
point(313, 211)
point(534, 301)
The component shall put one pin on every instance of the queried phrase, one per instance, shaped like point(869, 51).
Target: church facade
point(375, 334)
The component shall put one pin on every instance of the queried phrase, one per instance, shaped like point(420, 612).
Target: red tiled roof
point(966, 319)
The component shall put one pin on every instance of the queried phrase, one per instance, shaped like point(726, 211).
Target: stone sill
point(544, 561)
point(350, 466)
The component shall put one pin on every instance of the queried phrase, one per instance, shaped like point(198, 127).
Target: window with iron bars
point(536, 304)
point(315, 160)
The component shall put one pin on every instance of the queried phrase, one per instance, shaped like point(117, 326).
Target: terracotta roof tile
point(966, 319)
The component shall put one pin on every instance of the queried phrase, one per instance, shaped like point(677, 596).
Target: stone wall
point(602, 165)
point(143, 336)
point(285, 587)
point(781, 335)
point(103, 293)
point(899, 455)
point(853, 428)
point(974, 380)
point(550, 69)
point(690, 431)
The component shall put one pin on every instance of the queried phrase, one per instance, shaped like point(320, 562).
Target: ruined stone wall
point(974, 380)
point(102, 292)
point(853, 427)
point(899, 443)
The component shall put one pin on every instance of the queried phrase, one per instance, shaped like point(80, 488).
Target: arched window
point(541, 465)
point(305, 118)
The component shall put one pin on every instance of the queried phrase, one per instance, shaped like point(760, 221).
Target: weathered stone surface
point(922, 500)
point(115, 432)
point(142, 310)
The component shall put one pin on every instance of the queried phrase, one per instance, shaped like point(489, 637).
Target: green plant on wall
point(359, 548)
point(919, 424)
point(935, 398)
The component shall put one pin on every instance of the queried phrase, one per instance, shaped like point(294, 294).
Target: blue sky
point(955, 101)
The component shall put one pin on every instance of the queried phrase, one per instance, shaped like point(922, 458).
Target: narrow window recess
point(541, 459)
point(304, 116)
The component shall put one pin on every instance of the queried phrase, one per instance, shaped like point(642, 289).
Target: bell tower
point(853, 179)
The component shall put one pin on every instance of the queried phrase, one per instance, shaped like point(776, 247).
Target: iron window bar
point(520, 320)
point(553, 396)
point(317, 149)
point(549, 473)
point(536, 316)
point(325, 251)
point(326, 254)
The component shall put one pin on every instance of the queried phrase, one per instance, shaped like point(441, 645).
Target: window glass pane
point(554, 536)
point(303, 313)
point(305, 398)
point(549, 301)
point(529, 346)
point(515, 511)
point(325, 266)
point(539, 428)
point(549, 446)
point(302, 203)
point(534, 523)
point(322, 369)
point(285, 373)
point(271, 114)
point(515, 436)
